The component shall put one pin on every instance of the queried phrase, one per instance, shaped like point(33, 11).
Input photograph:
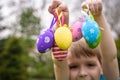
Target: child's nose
point(82, 72)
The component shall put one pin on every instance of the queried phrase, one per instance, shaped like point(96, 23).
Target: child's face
point(84, 68)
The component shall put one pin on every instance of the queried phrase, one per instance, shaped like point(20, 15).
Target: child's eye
point(73, 67)
point(91, 65)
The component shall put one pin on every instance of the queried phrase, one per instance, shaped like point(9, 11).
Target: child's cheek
point(73, 74)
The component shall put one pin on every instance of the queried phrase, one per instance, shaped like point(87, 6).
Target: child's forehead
point(73, 55)
point(80, 48)
point(82, 53)
point(82, 59)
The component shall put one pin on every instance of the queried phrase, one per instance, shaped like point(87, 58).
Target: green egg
point(95, 44)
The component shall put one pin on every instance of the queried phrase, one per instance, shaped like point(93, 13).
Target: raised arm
point(61, 68)
point(108, 47)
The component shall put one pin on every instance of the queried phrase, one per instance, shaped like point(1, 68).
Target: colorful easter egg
point(63, 37)
point(45, 41)
point(91, 33)
point(76, 30)
point(95, 44)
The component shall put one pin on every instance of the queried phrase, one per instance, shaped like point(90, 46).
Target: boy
point(83, 63)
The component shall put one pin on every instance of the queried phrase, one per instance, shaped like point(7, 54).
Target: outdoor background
point(21, 21)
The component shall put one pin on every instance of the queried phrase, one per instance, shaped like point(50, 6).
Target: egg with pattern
point(76, 30)
point(45, 41)
point(91, 33)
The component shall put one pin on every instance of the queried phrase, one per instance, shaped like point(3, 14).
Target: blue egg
point(91, 33)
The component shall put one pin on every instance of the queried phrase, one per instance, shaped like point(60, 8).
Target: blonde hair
point(80, 48)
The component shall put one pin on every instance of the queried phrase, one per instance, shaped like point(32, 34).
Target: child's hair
point(80, 48)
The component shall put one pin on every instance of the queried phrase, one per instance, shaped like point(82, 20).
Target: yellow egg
point(63, 37)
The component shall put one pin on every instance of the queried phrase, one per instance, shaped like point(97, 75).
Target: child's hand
point(58, 54)
point(95, 6)
point(61, 8)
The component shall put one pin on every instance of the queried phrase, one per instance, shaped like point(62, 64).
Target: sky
point(11, 9)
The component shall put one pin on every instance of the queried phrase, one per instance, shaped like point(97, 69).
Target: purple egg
point(45, 41)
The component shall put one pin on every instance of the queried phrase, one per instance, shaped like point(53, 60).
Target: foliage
point(18, 57)
point(30, 23)
point(17, 64)
point(118, 51)
point(41, 67)
point(11, 66)
point(38, 65)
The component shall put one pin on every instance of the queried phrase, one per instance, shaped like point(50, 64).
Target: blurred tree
point(19, 59)
point(39, 65)
point(11, 66)
point(17, 62)
point(118, 51)
point(30, 23)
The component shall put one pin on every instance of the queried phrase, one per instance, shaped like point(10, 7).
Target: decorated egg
point(91, 33)
point(76, 30)
point(95, 44)
point(45, 41)
point(63, 37)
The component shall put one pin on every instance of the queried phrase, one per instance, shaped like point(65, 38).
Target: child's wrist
point(60, 55)
point(61, 64)
point(96, 17)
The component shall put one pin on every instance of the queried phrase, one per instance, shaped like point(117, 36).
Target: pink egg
point(76, 30)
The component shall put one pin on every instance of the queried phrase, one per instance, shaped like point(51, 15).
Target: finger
point(95, 7)
point(56, 3)
point(50, 9)
point(99, 5)
point(62, 8)
point(91, 6)
point(53, 6)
